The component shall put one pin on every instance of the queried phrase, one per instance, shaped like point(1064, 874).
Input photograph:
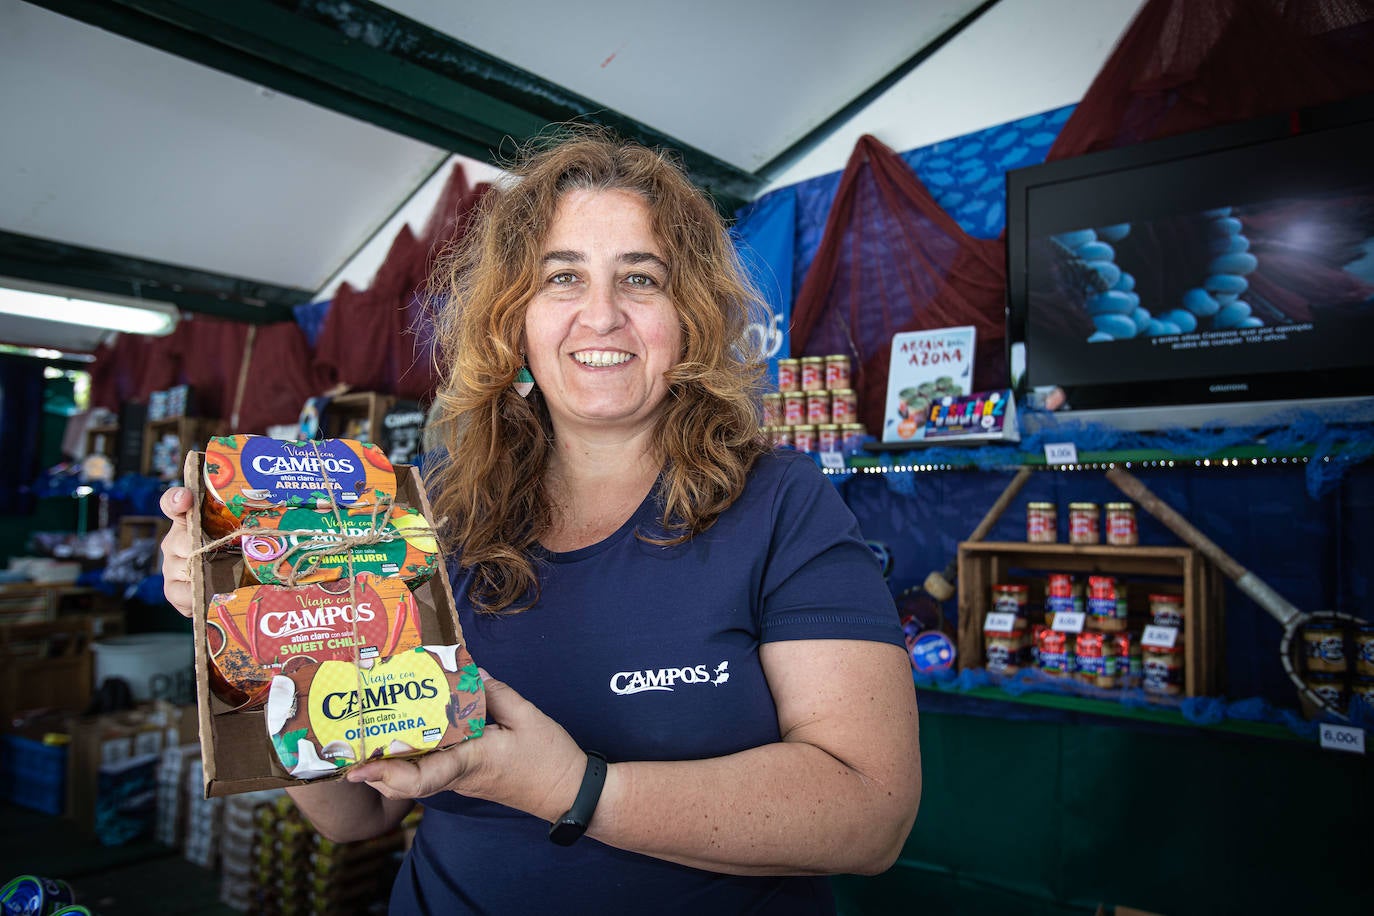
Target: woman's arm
point(345, 812)
point(839, 793)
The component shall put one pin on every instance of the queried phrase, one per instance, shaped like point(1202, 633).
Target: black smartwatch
point(566, 830)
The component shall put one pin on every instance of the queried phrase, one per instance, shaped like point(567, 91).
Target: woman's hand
point(523, 760)
point(176, 504)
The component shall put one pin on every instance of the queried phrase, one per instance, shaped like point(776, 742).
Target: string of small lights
point(1218, 463)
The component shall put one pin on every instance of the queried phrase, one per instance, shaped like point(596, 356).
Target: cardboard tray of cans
point(237, 753)
point(1180, 570)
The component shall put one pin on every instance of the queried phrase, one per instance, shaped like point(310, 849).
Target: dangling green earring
point(524, 382)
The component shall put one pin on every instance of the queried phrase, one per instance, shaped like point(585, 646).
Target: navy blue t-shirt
point(652, 653)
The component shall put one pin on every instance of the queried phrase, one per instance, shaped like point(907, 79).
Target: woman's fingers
point(176, 504)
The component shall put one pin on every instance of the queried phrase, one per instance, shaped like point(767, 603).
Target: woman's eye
point(563, 277)
point(641, 280)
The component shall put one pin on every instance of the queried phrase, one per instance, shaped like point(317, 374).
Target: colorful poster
point(926, 366)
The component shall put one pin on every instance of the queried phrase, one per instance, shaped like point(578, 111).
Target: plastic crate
point(34, 774)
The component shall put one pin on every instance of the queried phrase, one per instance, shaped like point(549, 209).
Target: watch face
point(566, 831)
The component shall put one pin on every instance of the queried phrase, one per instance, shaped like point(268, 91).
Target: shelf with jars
point(1103, 615)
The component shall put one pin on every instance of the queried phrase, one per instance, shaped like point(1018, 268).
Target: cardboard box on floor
point(237, 753)
point(111, 761)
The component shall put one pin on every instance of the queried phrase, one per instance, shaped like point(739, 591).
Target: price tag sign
point(1069, 621)
point(833, 460)
point(999, 623)
point(1159, 637)
point(1342, 738)
point(1061, 453)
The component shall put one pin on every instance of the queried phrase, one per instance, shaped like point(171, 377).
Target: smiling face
point(601, 330)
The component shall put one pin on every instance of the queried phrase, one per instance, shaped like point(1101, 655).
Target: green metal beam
point(366, 61)
point(61, 264)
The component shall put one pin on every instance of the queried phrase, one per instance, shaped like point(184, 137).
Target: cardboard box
point(112, 768)
point(235, 749)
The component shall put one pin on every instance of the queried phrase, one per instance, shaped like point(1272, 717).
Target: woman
point(652, 581)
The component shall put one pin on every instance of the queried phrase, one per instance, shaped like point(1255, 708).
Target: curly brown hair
point(490, 485)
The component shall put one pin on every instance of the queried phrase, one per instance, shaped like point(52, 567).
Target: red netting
point(891, 260)
point(377, 339)
point(1184, 65)
point(372, 340)
point(207, 353)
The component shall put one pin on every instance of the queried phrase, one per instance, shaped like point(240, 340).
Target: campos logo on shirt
point(624, 683)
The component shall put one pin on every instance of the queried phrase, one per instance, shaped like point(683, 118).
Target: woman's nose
point(602, 311)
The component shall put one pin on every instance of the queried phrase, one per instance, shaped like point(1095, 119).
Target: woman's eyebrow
point(643, 257)
point(564, 254)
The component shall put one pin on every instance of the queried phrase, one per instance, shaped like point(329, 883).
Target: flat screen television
point(1218, 276)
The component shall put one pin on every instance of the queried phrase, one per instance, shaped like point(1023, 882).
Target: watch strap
point(569, 828)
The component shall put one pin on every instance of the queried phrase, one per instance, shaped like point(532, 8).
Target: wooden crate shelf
point(1181, 570)
point(190, 432)
point(357, 415)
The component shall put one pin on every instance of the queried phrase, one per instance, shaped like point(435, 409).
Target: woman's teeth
point(601, 358)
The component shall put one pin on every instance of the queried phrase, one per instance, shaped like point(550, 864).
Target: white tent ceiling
point(174, 158)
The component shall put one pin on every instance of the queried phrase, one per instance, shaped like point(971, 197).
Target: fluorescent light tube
point(129, 319)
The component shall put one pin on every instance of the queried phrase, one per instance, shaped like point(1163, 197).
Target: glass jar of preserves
point(813, 373)
point(789, 375)
point(1083, 527)
point(828, 438)
point(854, 434)
point(1364, 649)
point(793, 408)
point(817, 407)
point(1121, 525)
point(1129, 661)
point(1011, 598)
point(1330, 688)
point(1005, 651)
point(844, 405)
point(1324, 647)
point(1162, 669)
point(804, 438)
point(1055, 653)
point(1097, 662)
point(1363, 690)
point(1166, 610)
point(1042, 523)
point(1062, 593)
point(781, 435)
point(772, 409)
point(1106, 604)
point(837, 375)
